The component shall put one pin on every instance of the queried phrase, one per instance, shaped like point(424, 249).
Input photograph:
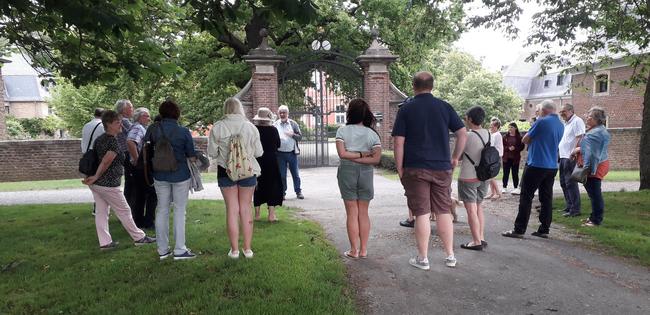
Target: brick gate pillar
point(377, 86)
point(264, 62)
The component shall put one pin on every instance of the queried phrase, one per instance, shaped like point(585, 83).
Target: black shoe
point(539, 234)
point(570, 215)
point(407, 223)
point(300, 196)
point(484, 243)
point(565, 210)
point(471, 247)
point(512, 234)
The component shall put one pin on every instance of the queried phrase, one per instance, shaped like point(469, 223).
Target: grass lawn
point(626, 226)
point(50, 263)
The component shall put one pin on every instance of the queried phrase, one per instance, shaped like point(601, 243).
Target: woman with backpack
point(234, 143)
point(471, 190)
point(359, 147)
point(173, 145)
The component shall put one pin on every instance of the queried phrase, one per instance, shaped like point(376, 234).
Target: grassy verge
point(626, 227)
point(68, 184)
point(50, 263)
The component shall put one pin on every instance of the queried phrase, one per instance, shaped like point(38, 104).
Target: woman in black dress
point(269, 185)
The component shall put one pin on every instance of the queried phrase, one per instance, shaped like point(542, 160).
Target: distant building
point(624, 106)
point(24, 96)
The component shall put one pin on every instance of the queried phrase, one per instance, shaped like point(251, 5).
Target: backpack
point(89, 161)
point(239, 165)
point(490, 163)
point(163, 159)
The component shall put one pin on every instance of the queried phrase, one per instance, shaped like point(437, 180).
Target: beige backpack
point(239, 165)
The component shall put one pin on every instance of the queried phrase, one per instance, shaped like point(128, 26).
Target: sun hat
point(264, 115)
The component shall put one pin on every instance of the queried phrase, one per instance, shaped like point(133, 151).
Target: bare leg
point(352, 210)
point(245, 200)
point(231, 197)
point(422, 234)
point(481, 221)
point(473, 220)
point(364, 225)
point(257, 213)
point(272, 214)
point(445, 228)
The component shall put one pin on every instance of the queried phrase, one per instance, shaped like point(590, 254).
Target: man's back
point(545, 138)
point(88, 130)
point(425, 123)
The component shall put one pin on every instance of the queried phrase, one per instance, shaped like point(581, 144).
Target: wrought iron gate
point(317, 88)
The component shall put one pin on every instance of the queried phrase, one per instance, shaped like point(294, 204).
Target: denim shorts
point(246, 182)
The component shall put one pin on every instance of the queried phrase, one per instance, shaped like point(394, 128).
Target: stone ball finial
point(264, 32)
point(374, 33)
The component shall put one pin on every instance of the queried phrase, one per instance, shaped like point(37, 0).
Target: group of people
point(423, 159)
point(119, 137)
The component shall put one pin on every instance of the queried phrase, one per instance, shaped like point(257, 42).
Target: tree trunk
point(644, 145)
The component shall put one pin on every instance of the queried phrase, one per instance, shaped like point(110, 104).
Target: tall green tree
point(592, 33)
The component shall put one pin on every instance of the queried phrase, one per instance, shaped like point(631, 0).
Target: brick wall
point(47, 159)
point(377, 94)
point(624, 106)
point(29, 109)
point(265, 92)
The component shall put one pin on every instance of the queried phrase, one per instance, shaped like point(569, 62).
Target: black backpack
point(163, 159)
point(490, 163)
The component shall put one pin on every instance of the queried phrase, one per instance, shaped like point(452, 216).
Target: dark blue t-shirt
point(545, 136)
point(425, 122)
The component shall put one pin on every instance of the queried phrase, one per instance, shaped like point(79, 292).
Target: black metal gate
point(317, 88)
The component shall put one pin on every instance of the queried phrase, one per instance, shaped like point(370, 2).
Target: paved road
point(531, 276)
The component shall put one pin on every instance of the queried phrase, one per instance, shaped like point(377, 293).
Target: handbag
point(579, 174)
point(89, 161)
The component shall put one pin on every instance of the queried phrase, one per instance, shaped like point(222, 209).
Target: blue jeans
point(569, 188)
point(597, 202)
point(290, 158)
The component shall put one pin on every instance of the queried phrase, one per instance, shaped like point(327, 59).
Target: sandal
point(348, 254)
point(471, 247)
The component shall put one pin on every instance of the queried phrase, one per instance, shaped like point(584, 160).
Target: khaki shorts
point(427, 190)
point(472, 192)
point(356, 181)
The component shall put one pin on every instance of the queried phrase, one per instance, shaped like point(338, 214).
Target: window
point(7, 109)
point(602, 83)
point(340, 119)
point(340, 108)
point(547, 83)
point(560, 80)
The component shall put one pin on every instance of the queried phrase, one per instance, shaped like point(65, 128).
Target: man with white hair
point(143, 199)
point(288, 152)
point(542, 139)
point(125, 109)
point(574, 129)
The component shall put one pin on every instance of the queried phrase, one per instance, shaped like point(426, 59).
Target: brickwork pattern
point(377, 94)
point(48, 159)
point(624, 105)
point(265, 92)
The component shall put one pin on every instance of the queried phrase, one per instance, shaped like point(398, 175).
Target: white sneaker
point(536, 193)
point(248, 253)
point(450, 261)
point(233, 255)
point(421, 264)
point(516, 191)
point(503, 190)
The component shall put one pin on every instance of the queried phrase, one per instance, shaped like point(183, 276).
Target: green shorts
point(355, 181)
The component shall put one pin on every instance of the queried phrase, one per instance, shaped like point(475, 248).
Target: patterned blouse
point(112, 176)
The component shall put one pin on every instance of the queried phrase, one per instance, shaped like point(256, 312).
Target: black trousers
point(507, 166)
point(129, 178)
point(535, 178)
point(144, 201)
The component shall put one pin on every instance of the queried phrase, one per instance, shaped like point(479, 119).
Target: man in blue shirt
point(422, 157)
point(542, 165)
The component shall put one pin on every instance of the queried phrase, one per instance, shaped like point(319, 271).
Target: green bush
point(15, 128)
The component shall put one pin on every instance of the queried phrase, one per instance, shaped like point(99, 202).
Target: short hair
point(99, 111)
point(568, 107)
point(495, 121)
point(548, 105)
point(169, 109)
point(423, 80)
point(232, 105)
point(283, 108)
point(120, 105)
point(598, 114)
point(109, 116)
point(139, 112)
point(476, 115)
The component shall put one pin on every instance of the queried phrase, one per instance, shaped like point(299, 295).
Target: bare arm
point(461, 140)
point(399, 155)
point(526, 139)
point(348, 155)
point(103, 166)
point(370, 159)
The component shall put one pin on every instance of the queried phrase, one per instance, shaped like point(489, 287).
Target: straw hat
point(264, 115)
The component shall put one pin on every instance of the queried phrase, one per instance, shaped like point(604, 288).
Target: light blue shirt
point(357, 138)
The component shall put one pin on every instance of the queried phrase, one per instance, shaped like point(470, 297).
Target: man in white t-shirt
point(574, 129)
point(90, 132)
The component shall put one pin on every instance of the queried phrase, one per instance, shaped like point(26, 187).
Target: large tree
point(591, 33)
